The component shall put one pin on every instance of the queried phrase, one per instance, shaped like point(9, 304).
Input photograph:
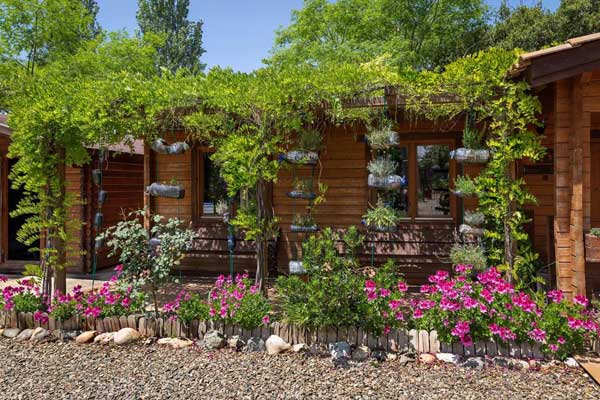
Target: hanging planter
point(382, 139)
point(296, 268)
point(474, 219)
point(464, 186)
point(299, 194)
point(465, 229)
point(160, 146)
point(302, 157)
point(99, 242)
point(102, 197)
point(97, 177)
point(169, 191)
point(592, 247)
point(304, 228)
point(470, 156)
point(381, 218)
point(390, 182)
point(382, 228)
point(98, 220)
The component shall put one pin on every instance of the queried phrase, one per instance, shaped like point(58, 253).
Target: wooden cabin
point(122, 170)
point(566, 183)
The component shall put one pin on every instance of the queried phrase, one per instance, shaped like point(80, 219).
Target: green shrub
point(382, 167)
point(595, 232)
point(465, 185)
point(309, 140)
point(468, 255)
point(381, 216)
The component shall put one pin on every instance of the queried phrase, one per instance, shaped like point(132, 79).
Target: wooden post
point(147, 182)
point(60, 269)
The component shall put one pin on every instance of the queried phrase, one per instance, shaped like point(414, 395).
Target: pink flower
point(463, 269)
point(41, 317)
point(383, 292)
point(394, 304)
point(561, 340)
point(426, 304)
point(537, 334)
point(487, 295)
point(370, 285)
point(469, 302)
point(427, 289)
point(402, 286)
point(399, 316)
point(212, 312)
point(386, 330)
point(266, 320)
point(574, 323)
point(553, 347)
point(439, 276)
point(417, 313)
point(126, 302)
point(119, 269)
point(372, 295)
point(3, 278)
point(581, 300)
point(556, 295)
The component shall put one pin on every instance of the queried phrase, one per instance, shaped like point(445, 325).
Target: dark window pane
point(433, 163)
point(398, 199)
point(215, 190)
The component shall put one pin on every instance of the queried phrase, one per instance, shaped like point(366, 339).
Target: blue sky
point(237, 33)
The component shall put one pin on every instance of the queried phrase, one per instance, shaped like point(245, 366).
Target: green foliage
point(382, 167)
point(33, 270)
point(465, 185)
point(381, 216)
point(595, 232)
point(191, 308)
point(129, 241)
point(380, 137)
point(468, 255)
point(309, 140)
point(305, 220)
point(472, 138)
point(181, 40)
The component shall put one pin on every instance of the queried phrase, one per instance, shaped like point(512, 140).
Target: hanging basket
point(102, 197)
point(302, 157)
point(97, 177)
point(160, 146)
point(383, 229)
point(470, 156)
point(460, 194)
point(302, 228)
point(390, 182)
point(296, 268)
point(169, 191)
point(465, 229)
point(98, 220)
point(300, 194)
point(592, 248)
point(392, 139)
point(98, 243)
point(475, 220)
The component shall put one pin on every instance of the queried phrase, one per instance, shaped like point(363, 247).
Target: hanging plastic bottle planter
point(97, 176)
point(98, 220)
point(470, 156)
point(382, 139)
point(99, 242)
point(303, 223)
point(465, 229)
point(296, 268)
point(302, 189)
point(390, 182)
point(474, 219)
point(162, 147)
point(302, 157)
point(169, 191)
point(102, 197)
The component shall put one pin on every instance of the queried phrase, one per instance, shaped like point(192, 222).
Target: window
point(425, 171)
point(209, 189)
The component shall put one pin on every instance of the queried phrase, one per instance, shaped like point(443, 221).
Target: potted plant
point(382, 137)
point(473, 152)
point(381, 218)
point(468, 255)
point(302, 189)
point(474, 218)
point(464, 186)
point(308, 144)
point(296, 268)
point(303, 223)
point(162, 147)
point(382, 174)
point(173, 190)
point(465, 229)
point(592, 245)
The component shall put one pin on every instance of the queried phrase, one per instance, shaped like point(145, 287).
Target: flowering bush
point(187, 307)
point(466, 309)
point(25, 297)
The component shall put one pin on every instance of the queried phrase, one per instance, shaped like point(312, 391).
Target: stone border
point(398, 340)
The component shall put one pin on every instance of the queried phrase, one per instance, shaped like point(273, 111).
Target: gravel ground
point(70, 371)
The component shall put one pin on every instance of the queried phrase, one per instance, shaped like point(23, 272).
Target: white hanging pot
point(470, 156)
point(389, 182)
point(302, 157)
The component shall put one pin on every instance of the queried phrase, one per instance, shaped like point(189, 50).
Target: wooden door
point(595, 186)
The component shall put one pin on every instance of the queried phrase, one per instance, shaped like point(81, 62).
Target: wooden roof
point(577, 55)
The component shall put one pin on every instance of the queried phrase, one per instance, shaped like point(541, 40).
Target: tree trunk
point(510, 246)
point(60, 273)
point(264, 215)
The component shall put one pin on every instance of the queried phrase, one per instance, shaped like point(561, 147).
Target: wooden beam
point(147, 181)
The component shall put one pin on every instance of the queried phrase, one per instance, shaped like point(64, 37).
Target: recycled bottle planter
point(97, 177)
point(474, 219)
point(470, 156)
point(153, 244)
point(102, 197)
point(296, 268)
point(160, 146)
point(390, 182)
point(170, 191)
point(300, 194)
point(304, 228)
point(461, 194)
point(99, 242)
point(392, 139)
point(382, 229)
point(302, 157)
point(465, 229)
point(98, 219)
point(592, 248)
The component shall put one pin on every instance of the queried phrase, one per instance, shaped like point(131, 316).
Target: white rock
point(571, 362)
point(11, 332)
point(24, 335)
point(361, 353)
point(39, 333)
point(300, 348)
point(276, 345)
point(86, 337)
point(126, 336)
point(448, 358)
point(426, 358)
point(214, 340)
point(105, 338)
point(174, 342)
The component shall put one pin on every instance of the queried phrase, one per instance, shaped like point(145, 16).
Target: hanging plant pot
point(465, 229)
point(302, 157)
point(390, 182)
point(592, 248)
point(296, 268)
point(97, 177)
point(475, 219)
point(153, 244)
point(102, 197)
point(169, 191)
point(382, 229)
point(160, 146)
point(470, 156)
point(382, 140)
point(304, 228)
point(99, 242)
point(300, 194)
point(98, 219)
point(461, 194)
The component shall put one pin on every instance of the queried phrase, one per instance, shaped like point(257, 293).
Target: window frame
point(411, 145)
point(198, 177)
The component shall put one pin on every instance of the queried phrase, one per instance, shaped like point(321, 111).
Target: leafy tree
point(578, 18)
point(92, 7)
point(421, 33)
point(181, 45)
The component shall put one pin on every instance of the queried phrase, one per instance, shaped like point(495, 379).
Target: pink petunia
point(402, 286)
point(581, 300)
point(266, 320)
point(556, 295)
